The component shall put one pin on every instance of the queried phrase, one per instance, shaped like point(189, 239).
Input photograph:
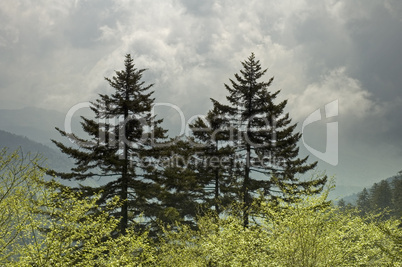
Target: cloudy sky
point(54, 54)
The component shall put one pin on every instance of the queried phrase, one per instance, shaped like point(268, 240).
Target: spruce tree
point(122, 135)
point(342, 205)
point(381, 195)
point(397, 196)
point(363, 202)
point(215, 161)
point(264, 140)
point(182, 186)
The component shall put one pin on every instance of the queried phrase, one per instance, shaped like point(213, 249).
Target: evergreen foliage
point(122, 135)
point(397, 196)
point(383, 196)
point(216, 161)
point(363, 202)
point(182, 193)
point(258, 137)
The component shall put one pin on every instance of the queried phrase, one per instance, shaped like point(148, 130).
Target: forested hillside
point(37, 124)
point(385, 195)
point(52, 158)
point(49, 157)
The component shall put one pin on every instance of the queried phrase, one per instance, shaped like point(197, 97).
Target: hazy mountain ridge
point(36, 123)
point(344, 191)
point(52, 158)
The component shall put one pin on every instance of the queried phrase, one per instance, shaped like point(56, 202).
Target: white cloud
point(354, 101)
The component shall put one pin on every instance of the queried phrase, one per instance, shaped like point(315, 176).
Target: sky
point(55, 54)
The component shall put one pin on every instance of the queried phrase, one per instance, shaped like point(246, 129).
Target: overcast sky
point(54, 54)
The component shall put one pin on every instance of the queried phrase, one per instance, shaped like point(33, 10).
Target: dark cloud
point(377, 40)
point(199, 8)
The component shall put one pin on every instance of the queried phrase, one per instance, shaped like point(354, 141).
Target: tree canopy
point(59, 227)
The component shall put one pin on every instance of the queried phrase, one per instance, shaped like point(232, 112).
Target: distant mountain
point(351, 198)
point(345, 192)
point(37, 124)
point(52, 158)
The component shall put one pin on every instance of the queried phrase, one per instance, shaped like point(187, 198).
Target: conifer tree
point(342, 204)
point(381, 196)
point(122, 135)
point(182, 186)
point(397, 196)
point(216, 161)
point(363, 202)
point(262, 134)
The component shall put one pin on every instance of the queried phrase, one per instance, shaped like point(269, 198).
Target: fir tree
point(342, 205)
point(397, 196)
point(262, 135)
point(215, 160)
point(363, 202)
point(182, 185)
point(381, 196)
point(121, 137)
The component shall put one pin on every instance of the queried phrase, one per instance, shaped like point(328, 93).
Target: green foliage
point(304, 233)
point(217, 242)
point(392, 230)
point(72, 234)
point(18, 176)
point(55, 226)
point(41, 226)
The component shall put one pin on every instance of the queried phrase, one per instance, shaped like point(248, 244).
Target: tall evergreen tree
point(121, 137)
point(397, 196)
point(216, 161)
point(182, 186)
point(381, 196)
point(363, 202)
point(342, 205)
point(266, 151)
